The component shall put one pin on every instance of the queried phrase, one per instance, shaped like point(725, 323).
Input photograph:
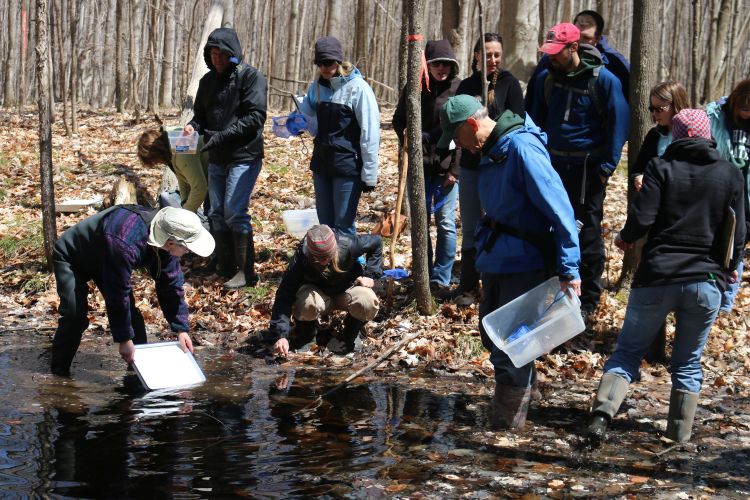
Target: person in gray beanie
point(441, 167)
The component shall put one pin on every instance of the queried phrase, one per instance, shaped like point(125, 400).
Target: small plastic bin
point(535, 323)
point(297, 222)
point(183, 144)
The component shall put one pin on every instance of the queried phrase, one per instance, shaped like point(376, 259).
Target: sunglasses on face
point(658, 109)
point(326, 63)
point(440, 63)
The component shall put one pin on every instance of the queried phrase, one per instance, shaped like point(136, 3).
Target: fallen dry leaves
point(87, 166)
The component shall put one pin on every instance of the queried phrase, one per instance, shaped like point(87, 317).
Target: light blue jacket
point(720, 131)
point(337, 142)
point(525, 192)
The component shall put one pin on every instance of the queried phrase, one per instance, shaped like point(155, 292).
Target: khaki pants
point(311, 303)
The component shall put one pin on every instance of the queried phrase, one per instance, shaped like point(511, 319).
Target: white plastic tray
point(164, 365)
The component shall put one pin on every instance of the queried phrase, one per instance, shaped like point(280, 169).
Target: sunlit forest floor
point(449, 344)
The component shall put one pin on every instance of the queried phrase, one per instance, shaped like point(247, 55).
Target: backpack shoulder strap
point(549, 82)
point(594, 92)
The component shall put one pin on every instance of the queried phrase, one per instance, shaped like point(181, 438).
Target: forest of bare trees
point(138, 55)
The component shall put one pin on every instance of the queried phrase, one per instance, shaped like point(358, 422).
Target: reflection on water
point(242, 433)
point(100, 434)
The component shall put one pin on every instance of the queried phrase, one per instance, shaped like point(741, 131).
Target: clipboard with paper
point(727, 235)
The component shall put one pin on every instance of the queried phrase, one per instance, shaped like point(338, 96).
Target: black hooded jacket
point(435, 162)
point(300, 272)
point(508, 95)
point(683, 206)
point(231, 104)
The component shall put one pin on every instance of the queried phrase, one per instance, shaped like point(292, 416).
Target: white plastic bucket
point(297, 222)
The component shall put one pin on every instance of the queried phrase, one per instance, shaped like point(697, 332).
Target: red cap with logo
point(559, 36)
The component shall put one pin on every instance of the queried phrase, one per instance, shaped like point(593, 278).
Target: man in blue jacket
point(528, 235)
point(591, 25)
point(229, 111)
point(582, 109)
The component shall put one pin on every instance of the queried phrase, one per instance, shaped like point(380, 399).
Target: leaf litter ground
point(447, 357)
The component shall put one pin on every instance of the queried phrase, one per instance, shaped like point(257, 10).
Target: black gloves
point(366, 189)
point(216, 137)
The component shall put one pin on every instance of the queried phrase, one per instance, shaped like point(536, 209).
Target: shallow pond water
point(99, 434)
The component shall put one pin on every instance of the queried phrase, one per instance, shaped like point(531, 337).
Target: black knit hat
point(440, 50)
point(328, 48)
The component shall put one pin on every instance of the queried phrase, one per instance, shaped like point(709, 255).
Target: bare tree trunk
point(644, 58)
point(718, 40)
point(696, 14)
point(167, 67)
point(292, 48)
point(63, 67)
point(403, 59)
point(333, 26)
point(119, 84)
point(11, 68)
point(419, 233)
point(228, 17)
point(73, 66)
point(455, 28)
point(24, 52)
point(361, 55)
point(519, 25)
point(152, 67)
point(45, 131)
point(213, 20)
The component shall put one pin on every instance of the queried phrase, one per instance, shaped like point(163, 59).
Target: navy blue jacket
point(572, 121)
point(613, 61)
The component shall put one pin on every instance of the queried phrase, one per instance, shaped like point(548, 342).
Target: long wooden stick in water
point(387, 354)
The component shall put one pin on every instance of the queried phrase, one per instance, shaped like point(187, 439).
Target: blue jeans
point(336, 200)
point(498, 290)
point(229, 189)
point(471, 208)
point(695, 306)
point(442, 199)
point(727, 298)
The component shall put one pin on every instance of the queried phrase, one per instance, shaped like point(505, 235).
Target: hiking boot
point(509, 407)
point(682, 407)
point(469, 280)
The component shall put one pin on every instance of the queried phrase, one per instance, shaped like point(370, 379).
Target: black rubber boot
point(350, 333)
point(244, 258)
point(469, 281)
point(224, 254)
point(64, 348)
point(303, 335)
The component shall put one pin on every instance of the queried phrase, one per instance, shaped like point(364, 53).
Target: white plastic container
point(297, 222)
point(183, 144)
point(535, 323)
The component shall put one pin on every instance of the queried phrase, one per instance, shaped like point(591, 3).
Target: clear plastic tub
point(183, 144)
point(297, 222)
point(535, 323)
